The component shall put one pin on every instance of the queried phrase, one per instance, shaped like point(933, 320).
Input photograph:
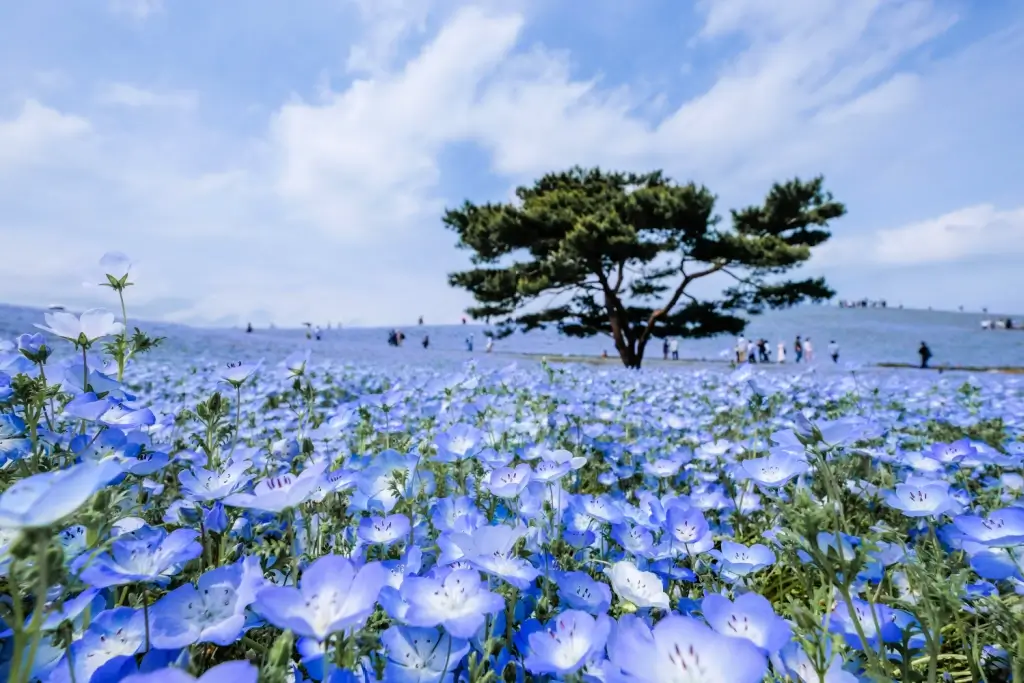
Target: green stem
point(37, 611)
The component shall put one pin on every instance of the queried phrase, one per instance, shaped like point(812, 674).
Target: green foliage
point(624, 248)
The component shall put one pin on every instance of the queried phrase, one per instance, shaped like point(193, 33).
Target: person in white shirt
point(780, 356)
point(833, 350)
point(673, 347)
point(808, 350)
point(490, 344)
point(741, 350)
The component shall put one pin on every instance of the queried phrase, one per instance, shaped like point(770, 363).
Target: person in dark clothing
point(664, 349)
point(248, 328)
point(798, 349)
point(426, 340)
point(762, 350)
point(925, 354)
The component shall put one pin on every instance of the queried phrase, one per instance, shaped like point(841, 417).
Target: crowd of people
point(757, 351)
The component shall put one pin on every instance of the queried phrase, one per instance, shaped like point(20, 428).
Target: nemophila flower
point(296, 363)
point(44, 499)
point(876, 623)
point(203, 485)
point(639, 588)
point(457, 515)
point(633, 538)
point(491, 549)
point(685, 525)
point(950, 453)
point(741, 560)
point(108, 412)
point(601, 508)
point(275, 494)
point(681, 649)
point(410, 563)
point(384, 530)
point(749, 616)
point(83, 330)
point(237, 372)
point(213, 611)
point(458, 442)
point(146, 555)
point(112, 640)
point(459, 602)
point(921, 499)
point(508, 482)
point(663, 468)
point(1001, 529)
point(6, 390)
point(13, 441)
point(577, 590)
point(333, 596)
point(567, 642)
point(421, 655)
point(775, 470)
point(548, 472)
point(799, 665)
point(239, 671)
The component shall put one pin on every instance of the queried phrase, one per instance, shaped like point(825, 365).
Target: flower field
point(302, 518)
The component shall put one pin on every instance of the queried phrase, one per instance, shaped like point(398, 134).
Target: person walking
point(926, 355)
point(469, 342)
point(798, 349)
point(808, 350)
point(426, 341)
point(664, 348)
point(833, 350)
point(673, 347)
point(780, 354)
point(490, 344)
point(741, 349)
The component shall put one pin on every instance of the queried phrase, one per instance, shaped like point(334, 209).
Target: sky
point(290, 161)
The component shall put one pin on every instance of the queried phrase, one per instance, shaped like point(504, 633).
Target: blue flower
point(458, 442)
point(384, 530)
point(205, 485)
point(13, 442)
point(568, 642)
point(44, 499)
point(749, 616)
point(111, 641)
point(146, 555)
point(108, 412)
point(212, 612)
point(799, 665)
point(930, 499)
point(239, 671)
point(740, 560)
point(577, 590)
point(683, 649)
point(1001, 529)
point(275, 494)
point(509, 482)
point(876, 622)
point(332, 597)
point(419, 655)
point(775, 470)
point(459, 602)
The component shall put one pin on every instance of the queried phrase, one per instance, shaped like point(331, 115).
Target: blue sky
point(284, 162)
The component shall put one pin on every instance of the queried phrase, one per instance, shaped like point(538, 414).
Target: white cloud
point(364, 162)
point(127, 95)
point(971, 232)
point(136, 9)
point(34, 135)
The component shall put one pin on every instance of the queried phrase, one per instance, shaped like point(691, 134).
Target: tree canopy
point(593, 252)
